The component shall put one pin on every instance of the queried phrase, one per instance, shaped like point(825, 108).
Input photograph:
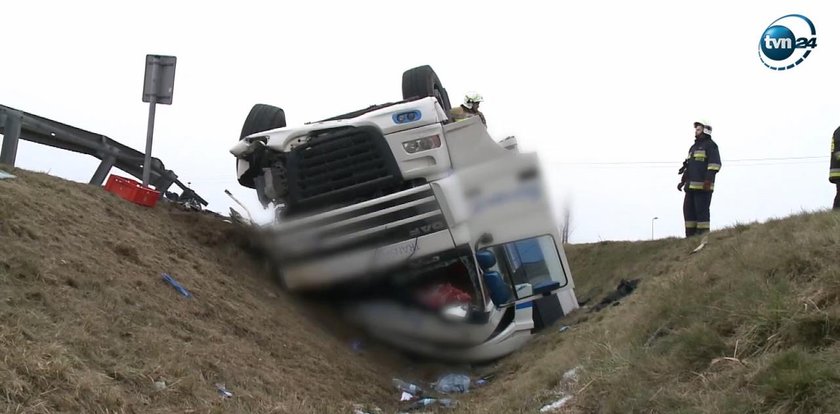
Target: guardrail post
point(103, 169)
point(11, 136)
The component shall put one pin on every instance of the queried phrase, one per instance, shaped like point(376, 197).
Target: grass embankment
point(749, 324)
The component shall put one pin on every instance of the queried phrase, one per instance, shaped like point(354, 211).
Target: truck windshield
point(530, 262)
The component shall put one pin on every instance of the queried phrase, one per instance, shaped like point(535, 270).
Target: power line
point(672, 163)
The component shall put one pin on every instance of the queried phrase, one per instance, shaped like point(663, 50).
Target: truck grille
point(401, 216)
point(340, 167)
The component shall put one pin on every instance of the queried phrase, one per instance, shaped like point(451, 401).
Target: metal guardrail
point(16, 125)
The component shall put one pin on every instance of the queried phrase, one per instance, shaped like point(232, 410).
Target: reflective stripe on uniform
point(714, 167)
point(699, 155)
point(703, 225)
point(691, 224)
point(698, 185)
point(835, 172)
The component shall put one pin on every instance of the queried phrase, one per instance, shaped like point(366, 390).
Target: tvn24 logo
point(787, 42)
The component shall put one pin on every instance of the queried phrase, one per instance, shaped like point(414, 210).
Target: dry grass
point(87, 325)
point(748, 325)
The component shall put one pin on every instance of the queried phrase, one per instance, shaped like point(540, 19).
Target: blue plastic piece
point(182, 290)
point(500, 292)
point(486, 259)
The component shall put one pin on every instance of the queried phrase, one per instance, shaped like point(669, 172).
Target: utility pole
point(651, 226)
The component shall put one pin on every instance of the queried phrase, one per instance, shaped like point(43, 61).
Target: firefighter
point(469, 108)
point(834, 171)
point(698, 179)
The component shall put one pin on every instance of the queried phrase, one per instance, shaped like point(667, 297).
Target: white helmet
point(707, 127)
point(472, 98)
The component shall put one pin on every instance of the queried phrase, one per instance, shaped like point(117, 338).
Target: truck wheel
point(421, 82)
point(262, 118)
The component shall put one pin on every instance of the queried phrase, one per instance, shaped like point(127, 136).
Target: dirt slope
point(750, 324)
point(87, 324)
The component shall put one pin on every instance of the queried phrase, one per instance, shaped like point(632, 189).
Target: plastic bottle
point(406, 387)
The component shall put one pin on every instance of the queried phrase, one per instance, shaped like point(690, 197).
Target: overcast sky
point(581, 83)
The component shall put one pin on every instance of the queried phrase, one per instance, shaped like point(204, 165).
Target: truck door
point(510, 217)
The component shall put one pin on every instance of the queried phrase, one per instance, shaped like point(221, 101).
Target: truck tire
point(263, 118)
point(421, 82)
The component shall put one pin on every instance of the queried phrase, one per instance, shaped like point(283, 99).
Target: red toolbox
point(132, 191)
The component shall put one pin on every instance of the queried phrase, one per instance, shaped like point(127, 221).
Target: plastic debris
point(406, 396)
point(427, 402)
point(550, 408)
point(453, 383)
point(361, 409)
point(183, 291)
point(223, 391)
point(4, 175)
point(484, 380)
point(407, 387)
point(564, 328)
point(160, 385)
point(572, 374)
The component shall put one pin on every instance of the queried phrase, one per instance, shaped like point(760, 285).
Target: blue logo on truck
point(406, 117)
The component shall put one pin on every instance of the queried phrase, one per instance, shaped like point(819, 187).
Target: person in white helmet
point(469, 108)
point(698, 178)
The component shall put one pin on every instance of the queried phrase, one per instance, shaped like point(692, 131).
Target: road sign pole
point(150, 129)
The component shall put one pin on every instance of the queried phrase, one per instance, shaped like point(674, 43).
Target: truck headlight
point(422, 144)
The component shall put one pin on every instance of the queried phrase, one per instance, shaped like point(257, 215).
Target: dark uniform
point(699, 168)
point(834, 172)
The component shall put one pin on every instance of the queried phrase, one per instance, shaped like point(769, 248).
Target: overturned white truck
point(427, 232)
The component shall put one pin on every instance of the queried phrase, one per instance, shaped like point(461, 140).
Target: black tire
point(421, 82)
point(262, 118)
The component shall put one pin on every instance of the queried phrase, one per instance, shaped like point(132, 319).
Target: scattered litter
point(183, 291)
point(556, 405)
point(160, 385)
point(235, 217)
point(564, 328)
point(360, 409)
point(625, 287)
point(223, 391)
point(240, 218)
point(702, 245)
point(453, 383)
point(572, 374)
point(484, 380)
point(427, 402)
point(406, 396)
point(407, 387)
point(4, 175)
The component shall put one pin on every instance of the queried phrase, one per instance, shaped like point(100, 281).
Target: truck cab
point(436, 237)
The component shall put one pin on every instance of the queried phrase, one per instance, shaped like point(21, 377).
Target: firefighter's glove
point(682, 169)
point(680, 186)
point(707, 185)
